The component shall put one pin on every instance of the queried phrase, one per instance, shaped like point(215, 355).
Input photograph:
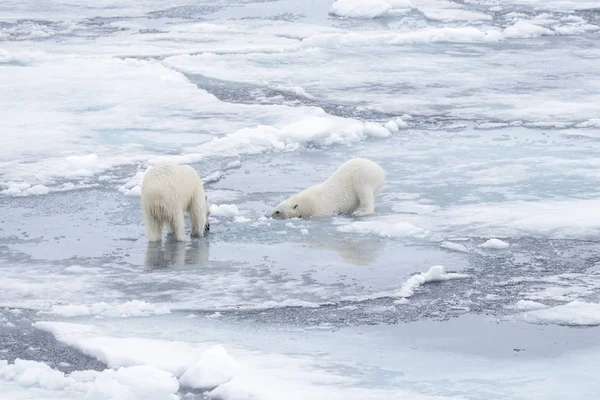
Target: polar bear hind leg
point(366, 203)
point(153, 228)
point(176, 226)
point(197, 216)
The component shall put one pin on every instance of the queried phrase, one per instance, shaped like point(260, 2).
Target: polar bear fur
point(351, 189)
point(168, 191)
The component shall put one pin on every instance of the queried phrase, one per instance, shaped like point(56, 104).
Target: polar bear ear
point(295, 206)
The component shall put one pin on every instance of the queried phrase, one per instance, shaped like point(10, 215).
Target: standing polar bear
point(168, 191)
point(351, 189)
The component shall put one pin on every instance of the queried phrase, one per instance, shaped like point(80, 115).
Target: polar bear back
point(170, 186)
point(341, 191)
point(357, 174)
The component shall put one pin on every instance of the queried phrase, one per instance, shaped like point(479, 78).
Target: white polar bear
point(168, 191)
point(351, 189)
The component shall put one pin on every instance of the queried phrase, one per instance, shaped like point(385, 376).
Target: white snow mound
point(434, 274)
point(495, 244)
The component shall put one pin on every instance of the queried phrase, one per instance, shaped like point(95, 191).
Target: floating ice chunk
point(213, 177)
point(522, 30)
point(214, 368)
point(392, 126)
point(400, 123)
point(575, 313)
point(384, 228)
point(304, 231)
point(135, 191)
point(454, 247)
point(23, 189)
point(360, 8)
point(33, 373)
point(376, 130)
point(224, 210)
point(527, 305)
point(491, 125)
point(575, 29)
point(590, 123)
point(241, 219)
point(495, 244)
point(37, 190)
point(434, 274)
point(233, 165)
point(295, 90)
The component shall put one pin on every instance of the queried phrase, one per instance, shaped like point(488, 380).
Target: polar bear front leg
point(366, 203)
point(176, 226)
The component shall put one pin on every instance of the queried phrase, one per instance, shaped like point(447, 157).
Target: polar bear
point(168, 191)
point(351, 189)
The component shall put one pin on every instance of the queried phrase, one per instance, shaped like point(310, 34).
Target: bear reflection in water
point(363, 252)
point(174, 254)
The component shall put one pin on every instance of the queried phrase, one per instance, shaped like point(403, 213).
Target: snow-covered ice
point(495, 244)
point(484, 114)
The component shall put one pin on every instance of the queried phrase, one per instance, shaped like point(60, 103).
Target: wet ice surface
point(491, 160)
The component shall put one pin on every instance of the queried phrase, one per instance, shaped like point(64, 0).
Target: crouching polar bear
point(351, 189)
point(168, 191)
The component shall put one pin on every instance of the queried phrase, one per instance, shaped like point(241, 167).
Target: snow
point(495, 244)
point(575, 313)
point(434, 274)
point(215, 367)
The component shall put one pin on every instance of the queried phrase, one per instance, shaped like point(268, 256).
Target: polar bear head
point(294, 207)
